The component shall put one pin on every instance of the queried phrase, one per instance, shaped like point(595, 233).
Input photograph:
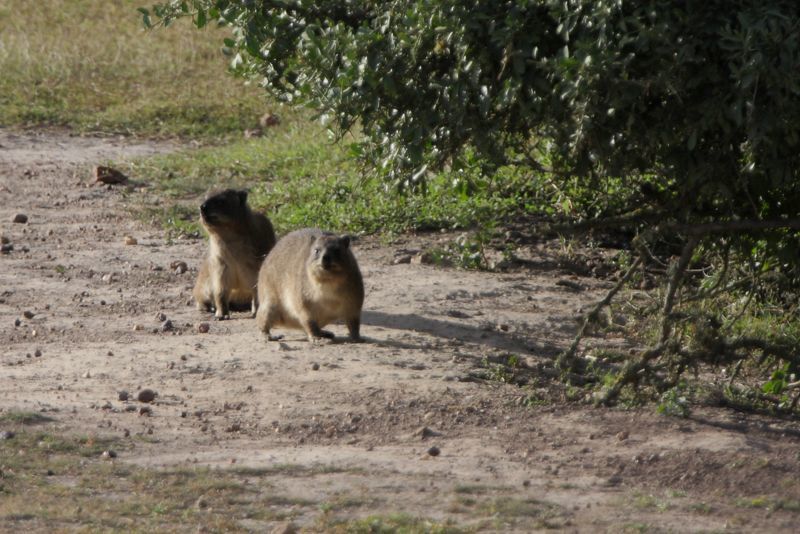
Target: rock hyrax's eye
point(316, 252)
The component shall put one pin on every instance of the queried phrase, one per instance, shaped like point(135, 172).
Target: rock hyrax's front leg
point(222, 310)
point(222, 294)
point(315, 333)
point(265, 318)
point(353, 326)
point(254, 304)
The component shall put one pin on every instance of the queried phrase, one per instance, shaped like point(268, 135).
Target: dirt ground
point(362, 417)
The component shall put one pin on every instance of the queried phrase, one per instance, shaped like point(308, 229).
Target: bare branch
point(566, 359)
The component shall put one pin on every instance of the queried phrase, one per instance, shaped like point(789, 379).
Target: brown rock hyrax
point(310, 279)
point(239, 240)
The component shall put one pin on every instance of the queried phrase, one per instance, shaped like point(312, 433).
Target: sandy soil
point(352, 413)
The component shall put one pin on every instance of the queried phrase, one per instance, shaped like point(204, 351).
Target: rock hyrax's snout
point(331, 252)
point(224, 206)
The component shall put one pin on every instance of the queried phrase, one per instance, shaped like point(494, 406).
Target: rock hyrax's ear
point(242, 196)
point(345, 241)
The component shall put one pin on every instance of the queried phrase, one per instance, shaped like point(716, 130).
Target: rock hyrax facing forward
point(310, 279)
point(239, 240)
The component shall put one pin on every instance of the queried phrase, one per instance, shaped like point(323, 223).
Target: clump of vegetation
point(674, 115)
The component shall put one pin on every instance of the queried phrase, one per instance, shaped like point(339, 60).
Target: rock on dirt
point(434, 451)
point(146, 395)
point(109, 175)
point(123, 395)
point(20, 218)
point(203, 328)
point(426, 432)
point(130, 240)
point(179, 267)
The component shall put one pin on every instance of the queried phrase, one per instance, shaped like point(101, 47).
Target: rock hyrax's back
point(308, 280)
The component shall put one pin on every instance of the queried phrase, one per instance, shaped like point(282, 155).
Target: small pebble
point(146, 395)
point(20, 218)
point(179, 267)
point(138, 327)
point(4, 240)
point(87, 374)
point(6, 434)
point(37, 353)
point(130, 240)
point(145, 411)
point(161, 317)
point(167, 326)
point(203, 328)
point(123, 395)
point(28, 314)
point(315, 366)
point(109, 454)
point(5, 248)
point(17, 322)
point(434, 451)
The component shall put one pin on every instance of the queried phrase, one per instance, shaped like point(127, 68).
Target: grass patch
point(386, 524)
point(90, 65)
point(60, 482)
point(512, 512)
point(299, 178)
point(24, 418)
point(769, 503)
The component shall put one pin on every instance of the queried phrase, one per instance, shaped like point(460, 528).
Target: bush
point(688, 111)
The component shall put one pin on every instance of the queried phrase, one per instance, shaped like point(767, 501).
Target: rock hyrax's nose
point(204, 207)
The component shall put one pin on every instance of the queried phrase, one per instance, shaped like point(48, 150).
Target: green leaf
point(145, 17)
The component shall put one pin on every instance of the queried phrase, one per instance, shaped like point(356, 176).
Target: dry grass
point(90, 65)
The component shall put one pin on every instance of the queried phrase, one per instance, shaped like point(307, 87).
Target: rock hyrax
point(310, 279)
point(239, 240)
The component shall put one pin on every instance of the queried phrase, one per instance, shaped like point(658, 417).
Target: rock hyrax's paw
point(221, 317)
point(326, 334)
point(271, 337)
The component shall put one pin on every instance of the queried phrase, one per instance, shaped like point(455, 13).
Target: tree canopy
point(701, 96)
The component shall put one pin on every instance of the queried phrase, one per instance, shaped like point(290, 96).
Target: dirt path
point(345, 419)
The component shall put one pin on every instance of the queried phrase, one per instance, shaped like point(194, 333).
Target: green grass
point(89, 65)
point(299, 178)
point(23, 418)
